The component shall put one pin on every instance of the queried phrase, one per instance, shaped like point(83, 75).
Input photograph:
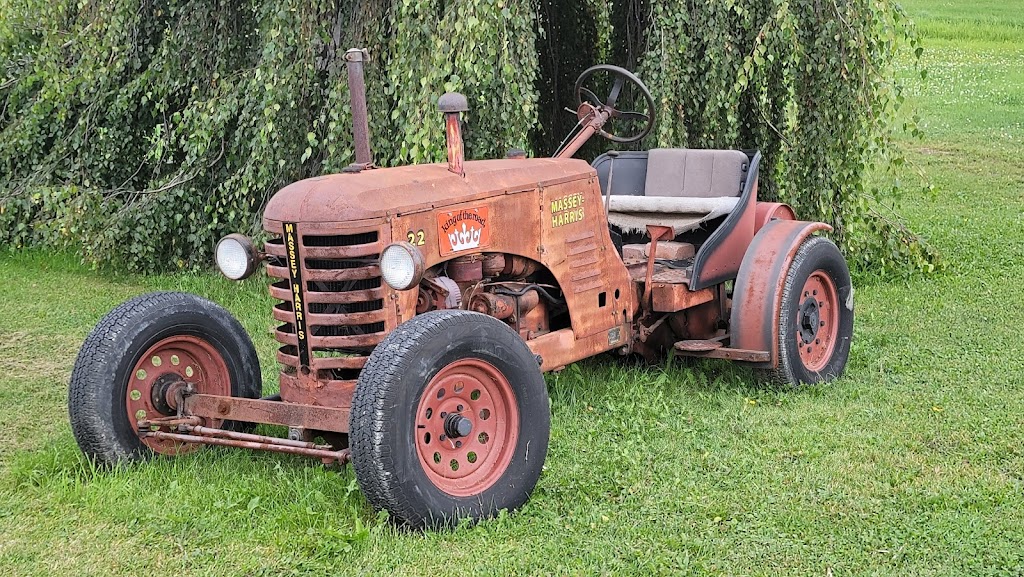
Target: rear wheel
point(139, 355)
point(815, 315)
point(450, 420)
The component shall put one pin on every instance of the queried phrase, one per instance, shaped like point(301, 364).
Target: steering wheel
point(621, 77)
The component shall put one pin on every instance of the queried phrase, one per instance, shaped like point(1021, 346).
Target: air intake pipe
point(453, 104)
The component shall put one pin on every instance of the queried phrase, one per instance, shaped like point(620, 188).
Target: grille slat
point(338, 275)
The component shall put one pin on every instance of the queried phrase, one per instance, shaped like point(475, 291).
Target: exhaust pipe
point(354, 59)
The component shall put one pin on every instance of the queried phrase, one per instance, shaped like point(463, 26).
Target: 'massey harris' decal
point(463, 229)
point(567, 209)
point(295, 273)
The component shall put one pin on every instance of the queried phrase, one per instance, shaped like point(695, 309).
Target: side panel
point(578, 250)
point(757, 294)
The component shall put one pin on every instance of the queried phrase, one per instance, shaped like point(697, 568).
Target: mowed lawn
point(912, 464)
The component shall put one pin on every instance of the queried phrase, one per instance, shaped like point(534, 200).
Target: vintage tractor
point(420, 305)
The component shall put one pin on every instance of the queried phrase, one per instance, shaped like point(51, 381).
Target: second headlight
point(401, 265)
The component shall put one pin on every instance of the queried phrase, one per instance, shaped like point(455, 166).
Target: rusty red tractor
point(419, 306)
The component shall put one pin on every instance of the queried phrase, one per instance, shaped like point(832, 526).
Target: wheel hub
point(817, 321)
point(162, 371)
point(467, 425)
point(165, 392)
point(455, 426)
point(809, 319)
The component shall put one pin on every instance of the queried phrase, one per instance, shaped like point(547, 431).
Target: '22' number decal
point(415, 238)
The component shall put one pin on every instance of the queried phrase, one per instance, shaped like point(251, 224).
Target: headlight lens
point(401, 265)
point(236, 256)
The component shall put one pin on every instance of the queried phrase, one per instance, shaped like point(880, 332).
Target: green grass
point(912, 464)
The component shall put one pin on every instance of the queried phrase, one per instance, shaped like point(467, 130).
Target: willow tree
point(142, 130)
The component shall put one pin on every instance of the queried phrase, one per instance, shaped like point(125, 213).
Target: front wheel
point(137, 354)
point(450, 420)
point(815, 315)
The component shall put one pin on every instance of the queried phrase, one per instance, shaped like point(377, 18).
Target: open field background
point(911, 464)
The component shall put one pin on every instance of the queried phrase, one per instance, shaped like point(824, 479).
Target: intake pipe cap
point(450, 102)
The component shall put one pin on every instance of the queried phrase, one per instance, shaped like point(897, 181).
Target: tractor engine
point(495, 284)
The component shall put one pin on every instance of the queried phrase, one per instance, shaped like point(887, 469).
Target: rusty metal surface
point(560, 348)
point(699, 321)
point(235, 435)
point(518, 267)
point(493, 264)
point(535, 321)
point(354, 59)
point(559, 227)
point(591, 119)
point(344, 308)
point(637, 270)
point(672, 297)
point(453, 142)
point(727, 353)
point(345, 199)
point(578, 250)
point(308, 389)
point(758, 292)
point(539, 214)
point(271, 412)
point(698, 345)
point(169, 422)
point(664, 274)
point(766, 212)
point(466, 268)
point(656, 232)
point(497, 306)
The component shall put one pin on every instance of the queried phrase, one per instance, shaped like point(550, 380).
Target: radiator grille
point(343, 303)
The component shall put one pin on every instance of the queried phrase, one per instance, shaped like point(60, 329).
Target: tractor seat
point(684, 188)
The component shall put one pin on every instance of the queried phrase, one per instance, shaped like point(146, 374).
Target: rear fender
point(757, 295)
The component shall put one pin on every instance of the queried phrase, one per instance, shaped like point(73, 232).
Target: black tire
point(99, 381)
point(384, 409)
point(816, 256)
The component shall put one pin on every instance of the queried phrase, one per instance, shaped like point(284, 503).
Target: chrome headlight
point(401, 265)
point(236, 256)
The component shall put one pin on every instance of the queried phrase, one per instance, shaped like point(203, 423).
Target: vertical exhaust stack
point(453, 104)
point(354, 59)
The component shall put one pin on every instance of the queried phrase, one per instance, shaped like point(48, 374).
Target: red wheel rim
point(817, 321)
point(474, 392)
point(181, 359)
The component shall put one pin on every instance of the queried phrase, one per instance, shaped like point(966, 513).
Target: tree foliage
point(811, 84)
point(142, 130)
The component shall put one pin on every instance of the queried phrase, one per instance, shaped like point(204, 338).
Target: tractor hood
point(380, 192)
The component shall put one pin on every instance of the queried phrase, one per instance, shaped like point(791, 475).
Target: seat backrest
point(695, 173)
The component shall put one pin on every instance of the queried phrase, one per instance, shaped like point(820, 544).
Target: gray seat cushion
point(695, 173)
point(634, 213)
